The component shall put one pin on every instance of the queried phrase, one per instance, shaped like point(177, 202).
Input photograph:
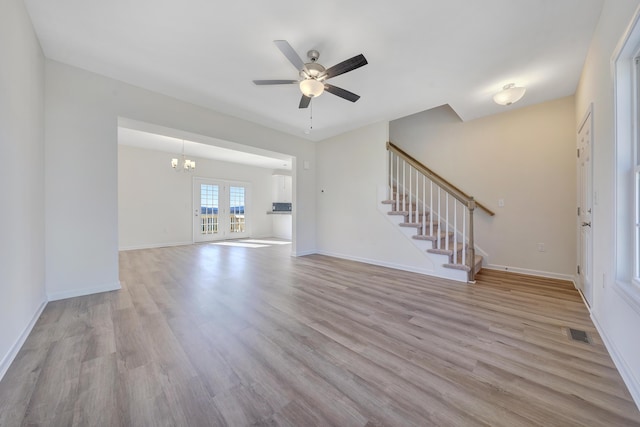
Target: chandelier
point(185, 164)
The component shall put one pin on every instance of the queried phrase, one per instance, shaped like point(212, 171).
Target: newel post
point(471, 251)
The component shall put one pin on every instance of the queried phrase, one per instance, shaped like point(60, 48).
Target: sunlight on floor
point(252, 243)
point(240, 244)
point(269, 242)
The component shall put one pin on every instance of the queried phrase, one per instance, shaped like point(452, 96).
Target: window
point(236, 209)
point(627, 163)
point(635, 113)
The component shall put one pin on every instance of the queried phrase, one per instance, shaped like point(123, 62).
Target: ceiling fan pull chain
point(311, 116)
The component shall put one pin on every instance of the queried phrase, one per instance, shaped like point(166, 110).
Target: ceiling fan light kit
point(311, 87)
point(509, 94)
point(313, 75)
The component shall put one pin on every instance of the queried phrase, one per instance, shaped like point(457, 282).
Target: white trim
point(304, 253)
point(153, 246)
point(539, 273)
point(623, 130)
point(84, 291)
point(15, 348)
point(430, 273)
point(629, 293)
point(625, 38)
point(625, 371)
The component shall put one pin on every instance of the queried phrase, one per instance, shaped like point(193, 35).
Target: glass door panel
point(237, 223)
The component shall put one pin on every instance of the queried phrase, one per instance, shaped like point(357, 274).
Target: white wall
point(82, 111)
point(22, 209)
point(351, 169)
point(617, 321)
point(525, 157)
point(281, 190)
point(155, 201)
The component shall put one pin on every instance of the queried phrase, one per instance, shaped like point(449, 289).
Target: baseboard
point(539, 273)
point(153, 246)
point(379, 263)
point(303, 253)
point(632, 383)
point(15, 348)
point(54, 296)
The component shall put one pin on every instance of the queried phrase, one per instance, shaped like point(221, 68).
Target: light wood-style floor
point(216, 335)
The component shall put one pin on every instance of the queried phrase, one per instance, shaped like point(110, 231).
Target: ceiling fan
point(313, 75)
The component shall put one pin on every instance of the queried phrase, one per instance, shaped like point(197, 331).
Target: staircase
point(436, 215)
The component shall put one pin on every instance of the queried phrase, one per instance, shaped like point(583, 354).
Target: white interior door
point(219, 210)
point(585, 206)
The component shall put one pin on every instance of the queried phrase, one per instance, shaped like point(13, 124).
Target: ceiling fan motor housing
point(313, 55)
point(312, 70)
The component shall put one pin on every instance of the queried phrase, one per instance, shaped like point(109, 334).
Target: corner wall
point(525, 157)
point(614, 316)
point(82, 111)
point(22, 209)
point(352, 167)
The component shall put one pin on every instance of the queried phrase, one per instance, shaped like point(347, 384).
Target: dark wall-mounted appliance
point(281, 207)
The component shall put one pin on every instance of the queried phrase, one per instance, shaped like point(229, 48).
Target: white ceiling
point(150, 137)
point(421, 53)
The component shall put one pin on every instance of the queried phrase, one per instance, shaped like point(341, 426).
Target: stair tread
point(444, 251)
point(477, 263)
point(405, 213)
point(433, 237)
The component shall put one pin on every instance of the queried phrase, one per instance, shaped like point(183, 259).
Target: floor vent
point(578, 335)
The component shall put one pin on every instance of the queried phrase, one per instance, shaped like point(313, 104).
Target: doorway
point(585, 208)
point(220, 210)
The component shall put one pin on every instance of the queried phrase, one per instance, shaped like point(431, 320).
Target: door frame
point(223, 205)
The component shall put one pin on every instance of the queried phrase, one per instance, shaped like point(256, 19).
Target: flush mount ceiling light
point(509, 94)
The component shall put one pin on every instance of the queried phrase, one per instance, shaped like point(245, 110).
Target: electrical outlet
point(541, 247)
point(501, 203)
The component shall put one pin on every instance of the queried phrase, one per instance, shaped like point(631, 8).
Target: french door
point(219, 210)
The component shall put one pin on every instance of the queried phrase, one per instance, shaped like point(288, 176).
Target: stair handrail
point(458, 194)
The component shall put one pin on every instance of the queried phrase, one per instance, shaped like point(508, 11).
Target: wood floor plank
point(210, 335)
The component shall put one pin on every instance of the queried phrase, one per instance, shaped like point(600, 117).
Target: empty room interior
point(294, 214)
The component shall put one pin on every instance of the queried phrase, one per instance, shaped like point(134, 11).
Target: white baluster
point(424, 205)
point(410, 194)
point(397, 198)
point(404, 182)
point(390, 173)
point(439, 220)
point(464, 236)
point(446, 242)
point(430, 208)
point(455, 231)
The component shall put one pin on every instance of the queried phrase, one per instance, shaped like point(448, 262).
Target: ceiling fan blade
point(274, 82)
point(291, 54)
point(304, 101)
point(342, 93)
point(346, 66)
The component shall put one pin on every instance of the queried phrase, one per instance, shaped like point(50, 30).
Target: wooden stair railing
point(421, 193)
